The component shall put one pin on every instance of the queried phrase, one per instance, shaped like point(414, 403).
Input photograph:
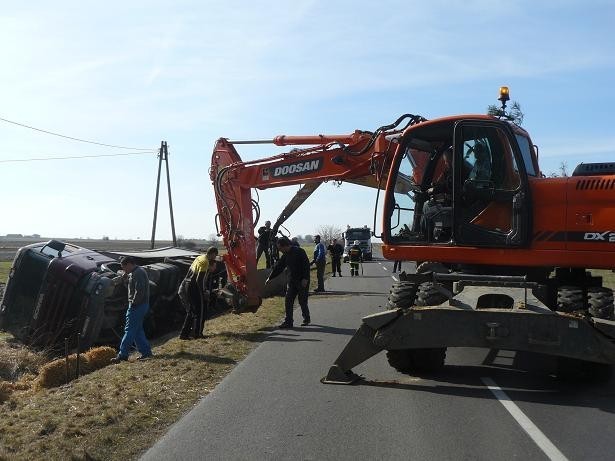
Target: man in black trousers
point(298, 265)
point(336, 251)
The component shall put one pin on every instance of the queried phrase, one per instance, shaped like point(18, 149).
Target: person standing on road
point(138, 305)
point(336, 251)
point(264, 236)
point(320, 259)
point(192, 295)
point(295, 259)
point(355, 256)
point(397, 265)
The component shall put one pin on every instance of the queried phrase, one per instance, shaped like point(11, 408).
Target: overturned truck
point(57, 291)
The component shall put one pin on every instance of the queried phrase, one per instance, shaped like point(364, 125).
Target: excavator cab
point(459, 182)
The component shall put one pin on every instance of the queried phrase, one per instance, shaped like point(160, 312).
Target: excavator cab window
point(461, 184)
point(489, 192)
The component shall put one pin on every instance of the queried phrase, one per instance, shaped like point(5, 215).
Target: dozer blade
point(360, 348)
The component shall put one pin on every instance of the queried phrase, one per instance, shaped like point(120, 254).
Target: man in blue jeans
point(138, 305)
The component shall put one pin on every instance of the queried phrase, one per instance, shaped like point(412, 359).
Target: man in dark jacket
point(264, 236)
point(296, 260)
point(138, 305)
point(336, 251)
point(192, 293)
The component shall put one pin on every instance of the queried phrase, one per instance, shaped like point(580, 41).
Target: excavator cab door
point(491, 203)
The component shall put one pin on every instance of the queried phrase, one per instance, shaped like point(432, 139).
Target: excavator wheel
point(428, 295)
point(574, 370)
point(417, 361)
point(431, 266)
point(600, 302)
point(402, 295)
point(413, 361)
point(569, 299)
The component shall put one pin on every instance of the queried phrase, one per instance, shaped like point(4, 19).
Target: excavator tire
point(574, 370)
point(428, 295)
point(569, 299)
point(432, 266)
point(600, 302)
point(417, 361)
point(402, 295)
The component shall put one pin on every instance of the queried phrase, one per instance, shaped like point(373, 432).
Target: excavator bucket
point(239, 303)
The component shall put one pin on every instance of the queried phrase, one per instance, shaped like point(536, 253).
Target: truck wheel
point(428, 295)
point(411, 361)
point(402, 295)
point(600, 302)
point(569, 299)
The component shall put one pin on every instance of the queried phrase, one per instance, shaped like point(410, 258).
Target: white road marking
point(385, 268)
point(394, 278)
point(379, 263)
point(526, 424)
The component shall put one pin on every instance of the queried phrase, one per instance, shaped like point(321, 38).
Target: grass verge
point(118, 412)
point(5, 267)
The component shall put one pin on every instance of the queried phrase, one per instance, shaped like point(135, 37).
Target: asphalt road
point(273, 406)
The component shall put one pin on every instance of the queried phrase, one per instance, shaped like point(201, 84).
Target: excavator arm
point(360, 157)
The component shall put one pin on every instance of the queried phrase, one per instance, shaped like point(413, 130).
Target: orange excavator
point(502, 252)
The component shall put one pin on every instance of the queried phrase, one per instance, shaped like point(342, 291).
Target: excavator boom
point(362, 157)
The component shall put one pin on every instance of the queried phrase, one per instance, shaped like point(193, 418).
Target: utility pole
point(163, 154)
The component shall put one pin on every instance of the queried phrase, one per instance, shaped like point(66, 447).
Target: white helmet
point(356, 242)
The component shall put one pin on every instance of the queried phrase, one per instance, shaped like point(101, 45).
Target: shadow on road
point(521, 386)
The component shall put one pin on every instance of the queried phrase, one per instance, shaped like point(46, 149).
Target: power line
point(75, 157)
point(70, 137)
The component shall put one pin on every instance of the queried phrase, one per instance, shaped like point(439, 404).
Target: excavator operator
point(437, 210)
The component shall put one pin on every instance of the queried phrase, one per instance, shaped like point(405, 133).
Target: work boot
point(305, 322)
point(340, 274)
point(285, 326)
point(118, 359)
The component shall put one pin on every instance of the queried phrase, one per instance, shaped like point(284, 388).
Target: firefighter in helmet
point(355, 256)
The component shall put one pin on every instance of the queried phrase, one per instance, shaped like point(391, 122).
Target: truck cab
point(363, 235)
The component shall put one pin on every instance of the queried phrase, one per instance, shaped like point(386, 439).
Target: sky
point(189, 72)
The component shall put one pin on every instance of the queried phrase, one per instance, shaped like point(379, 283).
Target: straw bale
point(100, 357)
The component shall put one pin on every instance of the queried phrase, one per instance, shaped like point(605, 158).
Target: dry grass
point(5, 267)
point(119, 411)
point(17, 360)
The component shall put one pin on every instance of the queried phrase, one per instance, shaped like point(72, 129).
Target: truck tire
point(402, 295)
point(600, 302)
point(417, 361)
point(569, 299)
